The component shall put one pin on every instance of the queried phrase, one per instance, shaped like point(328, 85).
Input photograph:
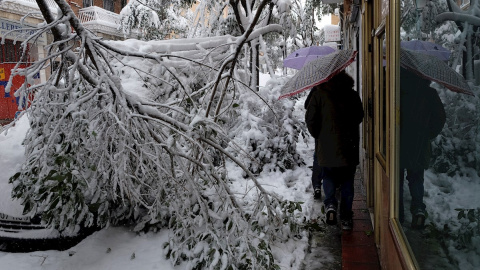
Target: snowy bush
point(457, 145)
point(265, 129)
point(455, 164)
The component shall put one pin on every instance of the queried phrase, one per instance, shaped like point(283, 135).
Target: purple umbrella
point(427, 47)
point(300, 57)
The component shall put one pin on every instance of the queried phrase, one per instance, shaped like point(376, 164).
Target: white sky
point(326, 19)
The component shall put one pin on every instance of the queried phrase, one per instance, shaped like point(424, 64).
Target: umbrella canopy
point(434, 69)
point(300, 57)
point(427, 47)
point(318, 71)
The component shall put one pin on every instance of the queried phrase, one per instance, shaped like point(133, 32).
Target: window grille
point(12, 53)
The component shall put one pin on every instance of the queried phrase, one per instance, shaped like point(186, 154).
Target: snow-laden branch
point(467, 21)
point(240, 43)
point(458, 17)
point(457, 14)
point(265, 30)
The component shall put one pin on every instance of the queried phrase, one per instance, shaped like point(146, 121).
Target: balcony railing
point(96, 15)
point(100, 20)
point(94, 18)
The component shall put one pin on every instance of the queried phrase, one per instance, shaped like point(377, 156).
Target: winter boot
point(317, 193)
point(331, 215)
point(418, 220)
point(347, 224)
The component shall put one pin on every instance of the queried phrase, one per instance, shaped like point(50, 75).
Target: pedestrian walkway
point(359, 251)
point(349, 250)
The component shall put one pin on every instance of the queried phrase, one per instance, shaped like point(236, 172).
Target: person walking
point(333, 114)
point(422, 117)
point(316, 179)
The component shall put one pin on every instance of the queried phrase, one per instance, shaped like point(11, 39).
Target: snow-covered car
point(20, 233)
point(24, 234)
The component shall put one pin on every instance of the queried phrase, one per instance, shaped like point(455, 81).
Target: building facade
point(100, 16)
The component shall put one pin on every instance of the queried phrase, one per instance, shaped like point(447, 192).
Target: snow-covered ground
point(121, 249)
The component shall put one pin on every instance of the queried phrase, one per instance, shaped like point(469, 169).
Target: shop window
point(439, 157)
point(11, 52)
point(381, 96)
point(9, 48)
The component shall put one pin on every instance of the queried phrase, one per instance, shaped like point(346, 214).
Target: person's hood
point(340, 82)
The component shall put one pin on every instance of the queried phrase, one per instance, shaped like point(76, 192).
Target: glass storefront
point(439, 165)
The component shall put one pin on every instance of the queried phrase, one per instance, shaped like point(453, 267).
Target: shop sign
point(20, 32)
point(332, 33)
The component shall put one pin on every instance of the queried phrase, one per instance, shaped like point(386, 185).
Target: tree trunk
point(254, 64)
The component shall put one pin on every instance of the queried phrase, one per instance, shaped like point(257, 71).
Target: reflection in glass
point(422, 117)
point(382, 96)
point(439, 182)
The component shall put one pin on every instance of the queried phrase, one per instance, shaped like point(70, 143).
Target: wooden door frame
point(382, 179)
point(406, 255)
point(367, 94)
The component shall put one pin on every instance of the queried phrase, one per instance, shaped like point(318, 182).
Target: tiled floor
point(359, 251)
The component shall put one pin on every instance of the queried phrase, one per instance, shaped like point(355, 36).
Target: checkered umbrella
point(318, 71)
point(434, 69)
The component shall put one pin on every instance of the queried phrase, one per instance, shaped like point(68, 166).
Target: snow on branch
point(458, 17)
point(456, 14)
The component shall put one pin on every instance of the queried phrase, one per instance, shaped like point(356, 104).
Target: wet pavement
point(325, 243)
point(333, 249)
point(325, 251)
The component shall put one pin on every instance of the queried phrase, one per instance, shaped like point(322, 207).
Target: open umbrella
point(427, 47)
point(432, 68)
point(318, 71)
point(300, 57)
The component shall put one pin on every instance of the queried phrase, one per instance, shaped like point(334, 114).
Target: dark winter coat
point(334, 112)
point(422, 117)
